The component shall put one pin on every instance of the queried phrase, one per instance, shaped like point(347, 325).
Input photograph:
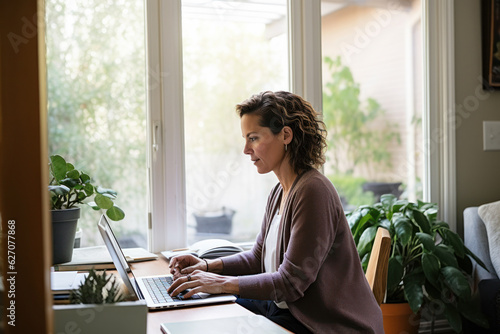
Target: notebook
point(152, 289)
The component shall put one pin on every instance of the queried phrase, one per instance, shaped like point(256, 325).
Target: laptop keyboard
point(157, 288)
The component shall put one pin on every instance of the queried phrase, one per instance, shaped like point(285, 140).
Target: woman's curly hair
point(279, 109)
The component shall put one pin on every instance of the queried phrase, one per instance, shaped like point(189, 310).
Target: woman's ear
point(287, 135)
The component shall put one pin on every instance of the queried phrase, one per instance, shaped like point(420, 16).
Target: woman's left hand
point(201, 281)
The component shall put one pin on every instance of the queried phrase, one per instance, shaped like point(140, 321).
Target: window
point(103, 73)
point(231, 50)
point(97, 104)
point(372, 98)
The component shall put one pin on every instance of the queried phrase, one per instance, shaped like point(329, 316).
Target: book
point(206, 249)
point(98, 258)
point(251, 323)
point(61, 283)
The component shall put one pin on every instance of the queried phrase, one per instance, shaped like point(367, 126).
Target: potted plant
point(99, 306)
point(429, 265)
point(68, 189)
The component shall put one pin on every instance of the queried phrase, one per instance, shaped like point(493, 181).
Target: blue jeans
point(268, 308)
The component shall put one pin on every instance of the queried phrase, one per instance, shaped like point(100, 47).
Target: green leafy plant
point(353, 132)
point(97, 289)
point(428, 265)
point(69, 187)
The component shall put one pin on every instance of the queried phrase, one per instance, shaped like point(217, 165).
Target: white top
point(270, 250)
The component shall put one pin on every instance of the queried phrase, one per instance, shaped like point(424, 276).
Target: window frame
point(167, 204)
point(439, 107)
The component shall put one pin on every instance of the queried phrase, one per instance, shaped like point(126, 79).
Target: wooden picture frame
point(490, 21)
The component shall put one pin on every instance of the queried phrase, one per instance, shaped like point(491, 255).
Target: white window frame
point(167, 223)
point(167, 213)
point(439, 107)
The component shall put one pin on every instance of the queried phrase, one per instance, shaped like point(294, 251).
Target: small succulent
point(98, 288)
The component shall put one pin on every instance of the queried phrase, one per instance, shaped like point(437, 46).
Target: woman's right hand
point(185, 264)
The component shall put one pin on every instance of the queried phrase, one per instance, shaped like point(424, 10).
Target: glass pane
point(231, 50)
point(372, 100)
point(97, 113)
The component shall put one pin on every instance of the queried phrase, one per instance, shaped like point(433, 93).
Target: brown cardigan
point(320, 275)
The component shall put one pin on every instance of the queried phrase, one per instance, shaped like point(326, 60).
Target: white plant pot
point(123, 317)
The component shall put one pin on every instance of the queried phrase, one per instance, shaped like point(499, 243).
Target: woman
point(304, 271)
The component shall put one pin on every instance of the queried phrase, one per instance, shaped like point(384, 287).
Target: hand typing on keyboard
point(201, 281)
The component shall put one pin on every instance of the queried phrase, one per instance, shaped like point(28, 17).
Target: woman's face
point(265, 149)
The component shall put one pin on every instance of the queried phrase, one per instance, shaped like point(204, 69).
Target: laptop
point(152, 289)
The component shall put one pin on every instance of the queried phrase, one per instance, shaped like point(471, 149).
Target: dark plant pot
point(221, 223)
point(381, 188)
point(63, 234)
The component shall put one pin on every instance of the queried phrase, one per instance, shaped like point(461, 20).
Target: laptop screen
point(116, 253)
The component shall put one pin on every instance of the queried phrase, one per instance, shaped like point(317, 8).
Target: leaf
point(432, 291)
point(465, 264)
point(454, 241)
point(102, 190)
point(424, 206)
point(426, 240)
point(431, 214)
point(81, 196)
point(366, 240)
point(445, 255)
point(403, 229)
point(103, 202)
point(73, 174)
point(115, 213)
point(387, 201)
point(414, 292)
point(478, 260)
point(457, 282)
point(69, 182)
point(431, 267)
point(58, 167)
point(364, 261)
point(353, 218)
point(59, 190)
point(84, 177)
point(422, 221)
point(385, 223)
point(89, 189)
point(395, 272)
point(453, 317)
point(94, 206)
point(399, 205)
point(442, 225)
point(359, 227)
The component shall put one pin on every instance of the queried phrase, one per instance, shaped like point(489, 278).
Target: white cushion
point(490, 214)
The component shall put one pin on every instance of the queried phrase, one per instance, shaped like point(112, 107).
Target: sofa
point(482, 237)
